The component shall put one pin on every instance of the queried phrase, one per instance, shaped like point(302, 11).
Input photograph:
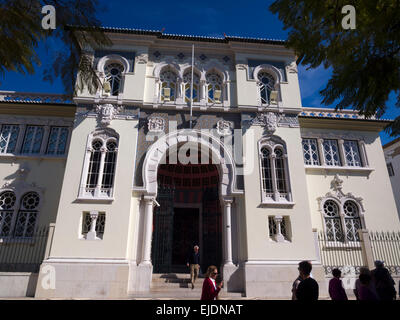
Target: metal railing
point(340, 254)
point(372, 246)
point(23, 254)
point(386, 247)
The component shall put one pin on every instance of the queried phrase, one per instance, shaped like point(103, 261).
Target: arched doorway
point(189, 213)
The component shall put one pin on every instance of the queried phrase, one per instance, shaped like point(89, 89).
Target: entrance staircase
point(177, 286)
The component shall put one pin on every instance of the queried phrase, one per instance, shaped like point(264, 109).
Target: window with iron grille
point(57, 140)
point(8, 138)
point(168, 80)
point(94, 166)
point(27, 215)
point(333, 225)
point(113, 72)
point(7, 207)
point(187, 80)
point(352, 153)
point(352, 220)
point(331, 153)
point(266, 85)
point(100, 224)
point(274, 174)
point(273, 228)
point(32, 140)
point(310, 152)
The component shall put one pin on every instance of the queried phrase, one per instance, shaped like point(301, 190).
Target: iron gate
point(163, 220)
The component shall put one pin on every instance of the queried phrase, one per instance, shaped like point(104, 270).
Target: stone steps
point(177, 286)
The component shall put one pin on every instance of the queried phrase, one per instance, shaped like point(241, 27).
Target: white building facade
point(251, 176)
point(392, 156)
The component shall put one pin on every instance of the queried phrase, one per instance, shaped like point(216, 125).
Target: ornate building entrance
point(189, 214)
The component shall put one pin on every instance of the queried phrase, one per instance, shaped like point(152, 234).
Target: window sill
point(32, 156)
point(337, 168)
point(94, 199)
point(276, 204)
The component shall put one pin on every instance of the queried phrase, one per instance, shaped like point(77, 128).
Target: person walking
point(383, 282)
point(211, 288)
point(336, 290)
point(193, 262)
point(308, 289)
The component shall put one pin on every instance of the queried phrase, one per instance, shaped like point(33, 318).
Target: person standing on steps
point(211, 288)
point(193, 262)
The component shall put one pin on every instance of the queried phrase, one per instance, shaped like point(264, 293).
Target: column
point(286, 173)
point(273, 175)
point(341, 152)
point(279, 236)
point(228, 231)
point(147, 230)
point(321, 151)
point(91, 235)
point(97, 192)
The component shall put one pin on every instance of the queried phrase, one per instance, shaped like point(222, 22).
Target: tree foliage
point(21, 32)
point(365, 61)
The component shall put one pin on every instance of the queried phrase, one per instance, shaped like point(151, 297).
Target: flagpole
point(191, 88)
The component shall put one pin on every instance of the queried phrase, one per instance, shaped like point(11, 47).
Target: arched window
point(7, 204)
point(266, 172)
point(352, 220)
point(94, 165)
point(266, 85)
point(214, 87)
point(100, 166)
point(333, 224)
point(113, 72)
point(187, 77)
point(27, 215)
point(280, 172)
point(274, 172)
point(168, 80)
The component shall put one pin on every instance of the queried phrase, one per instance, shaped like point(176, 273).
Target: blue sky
point(210, 18)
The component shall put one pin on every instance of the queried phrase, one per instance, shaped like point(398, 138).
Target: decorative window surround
point(261, 73)
point(279, 228)
point(271, 150)
point(17, 198)
point(93, 225)
point(348, 213)
point(100, 145)
point(202, 70)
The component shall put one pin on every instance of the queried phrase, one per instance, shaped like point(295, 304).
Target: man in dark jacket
point(193, 262)
point(383, 281)
point(308, 289)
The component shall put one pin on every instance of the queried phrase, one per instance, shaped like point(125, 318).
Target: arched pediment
point(272, 70)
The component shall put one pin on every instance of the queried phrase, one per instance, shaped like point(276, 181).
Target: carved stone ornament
point(269, 120)
point(106, 113)
point(156, 124)
point(142, 58)
point(292, 68)
point(224, 128)
point(336, 183)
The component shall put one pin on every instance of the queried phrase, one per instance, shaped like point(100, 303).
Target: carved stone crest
point(224, 128)
point(106, 113)
point(269, 120)
point(142, 58)
point(156, 124)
